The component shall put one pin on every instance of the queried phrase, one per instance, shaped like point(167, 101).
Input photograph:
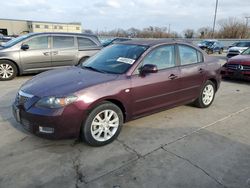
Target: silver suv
point(37, 52)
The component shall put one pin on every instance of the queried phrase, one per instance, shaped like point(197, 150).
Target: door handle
point(46, 53)
point(172, 77)
point(55, 53)
point(201, 70)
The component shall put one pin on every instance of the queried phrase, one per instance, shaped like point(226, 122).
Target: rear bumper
point(61, 123)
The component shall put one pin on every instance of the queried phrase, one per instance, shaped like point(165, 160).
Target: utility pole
point(215, 14)
point(247, 17)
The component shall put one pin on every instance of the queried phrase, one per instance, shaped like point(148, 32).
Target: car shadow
point(236, 81)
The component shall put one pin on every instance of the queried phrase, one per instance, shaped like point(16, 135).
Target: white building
point(17, 27)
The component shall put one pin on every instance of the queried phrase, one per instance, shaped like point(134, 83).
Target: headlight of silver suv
point(55, 102)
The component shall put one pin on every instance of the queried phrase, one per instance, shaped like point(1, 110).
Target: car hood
point(64, 81)
point(240, 59)
point(237, 48)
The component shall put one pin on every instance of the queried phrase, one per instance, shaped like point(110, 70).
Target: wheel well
point(215, 83)
point(83, 58)
point(120, 105)
point(18, 70)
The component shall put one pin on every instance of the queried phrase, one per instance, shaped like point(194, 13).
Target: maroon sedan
point(122, 82)
point(238, 66)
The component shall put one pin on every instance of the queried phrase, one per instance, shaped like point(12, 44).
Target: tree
point(232, 28)
point(188, 33)
point(205, 32)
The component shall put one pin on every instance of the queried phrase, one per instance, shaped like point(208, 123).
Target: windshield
point(115, 59)
point(246, 52)
point(207, 43)
point(15, 40)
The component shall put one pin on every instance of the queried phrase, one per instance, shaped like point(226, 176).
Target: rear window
point(243, 44)
point(85, 42)
point(63, 42)
point(189, 55)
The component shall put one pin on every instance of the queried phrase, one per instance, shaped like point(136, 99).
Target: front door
point(38, 56)
point(156, 90)
point(64, 51)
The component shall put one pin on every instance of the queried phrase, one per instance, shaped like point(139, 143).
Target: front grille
point(22, 98)
point(238, 67)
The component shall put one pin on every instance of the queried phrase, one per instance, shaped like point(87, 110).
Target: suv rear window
point(63, 42)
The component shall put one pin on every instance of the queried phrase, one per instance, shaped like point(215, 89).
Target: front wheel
point(102, 125)
point(206, 95)
point(8, 70)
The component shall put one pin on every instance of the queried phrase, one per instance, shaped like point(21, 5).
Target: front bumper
point(237, 74)
point(63, 123)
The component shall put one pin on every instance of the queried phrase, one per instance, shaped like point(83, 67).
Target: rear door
point(38, 56)
point(86, 48)
point(64, 50)
point(192, 71)
point(156, 90)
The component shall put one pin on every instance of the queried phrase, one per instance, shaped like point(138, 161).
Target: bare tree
point(188, 33)
point(232, 28)
point(205, 32)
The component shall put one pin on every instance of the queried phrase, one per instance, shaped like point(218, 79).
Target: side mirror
point(148, 68)
point(25, 47)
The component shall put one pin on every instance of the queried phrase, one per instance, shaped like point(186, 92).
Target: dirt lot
point(182, 147)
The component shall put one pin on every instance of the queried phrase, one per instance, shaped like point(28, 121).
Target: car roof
point(63, 33)
point(153, 42)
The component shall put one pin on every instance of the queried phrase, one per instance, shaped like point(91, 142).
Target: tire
point(220, 51)
point(96, 131)
point(209, 51)
point(8, 70)
point(201, 102)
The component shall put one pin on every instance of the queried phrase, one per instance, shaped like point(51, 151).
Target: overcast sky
point(112, 14)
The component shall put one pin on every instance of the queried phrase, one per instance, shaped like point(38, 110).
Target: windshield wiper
point(94, 69)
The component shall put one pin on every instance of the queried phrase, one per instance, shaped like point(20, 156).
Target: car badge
point(240, 67)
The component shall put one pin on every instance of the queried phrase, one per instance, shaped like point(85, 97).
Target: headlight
point(55, 102)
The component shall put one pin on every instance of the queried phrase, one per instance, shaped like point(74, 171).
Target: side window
point(38, 43)
point(189, 55)
point(63, 42)
point(84, 42)
point(163, 57)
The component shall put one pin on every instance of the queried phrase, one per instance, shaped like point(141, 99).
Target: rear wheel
point(83, 60)
point(8, 70)
point(102, 125)
point(206, 95)
point(220, 51)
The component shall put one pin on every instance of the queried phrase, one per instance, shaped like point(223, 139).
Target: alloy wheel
point(104, 125)
point(208, 94)
point(6, 71)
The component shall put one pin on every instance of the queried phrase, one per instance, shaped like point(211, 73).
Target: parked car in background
point(238, 67)
point(121, 82)
point(237, 48)
point(4, 39)
point(211, 46)
point(114, 40)
point(38, 52)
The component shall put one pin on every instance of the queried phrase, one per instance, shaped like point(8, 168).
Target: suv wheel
point(8, 70)
point(206, 95)
point(102, 125)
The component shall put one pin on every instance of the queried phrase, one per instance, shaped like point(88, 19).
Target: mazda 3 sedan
point(238, 67)
point(122, 82)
